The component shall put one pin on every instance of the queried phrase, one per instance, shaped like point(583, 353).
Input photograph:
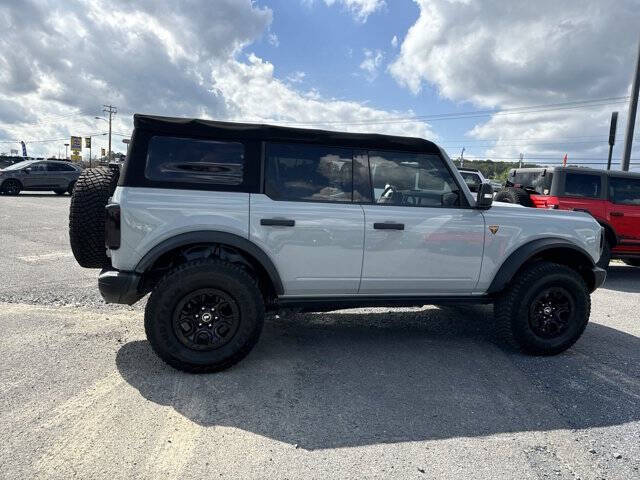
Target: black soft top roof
point(575, 169)
point(251, 131)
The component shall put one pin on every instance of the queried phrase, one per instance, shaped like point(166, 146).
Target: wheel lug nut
point(199, 324)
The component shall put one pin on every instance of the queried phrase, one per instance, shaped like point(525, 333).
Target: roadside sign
point(76, 143)
point(75, 157)
point(87, 142)
point(103, 152)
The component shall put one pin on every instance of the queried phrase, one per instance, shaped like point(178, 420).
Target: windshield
point(19, 165)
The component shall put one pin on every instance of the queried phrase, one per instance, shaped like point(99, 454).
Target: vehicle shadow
point(623, 279)
point(346, 379)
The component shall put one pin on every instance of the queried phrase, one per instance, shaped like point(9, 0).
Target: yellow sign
point(76, 143)
point(75, 157)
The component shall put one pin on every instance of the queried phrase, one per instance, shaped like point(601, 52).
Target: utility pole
point(462, 157)
point(631, 118)
point(66, 156)
point(612, 136)
point(521, 157)
point(111, 110)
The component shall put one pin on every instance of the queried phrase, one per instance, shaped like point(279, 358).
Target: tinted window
point(306, 172)
point(172, 159)
point(412, 179)
point(38, 167)
point(59, 167)
point(539, 182)
point(624, 190)
point(582, 185)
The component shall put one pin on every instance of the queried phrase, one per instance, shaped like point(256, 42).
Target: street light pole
point(631, 117)
point(111, 110)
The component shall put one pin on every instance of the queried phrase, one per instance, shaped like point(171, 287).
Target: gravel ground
point(366, 393)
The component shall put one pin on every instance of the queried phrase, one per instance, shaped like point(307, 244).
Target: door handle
point(617, 214)
point(388, 226)
point(277, 222)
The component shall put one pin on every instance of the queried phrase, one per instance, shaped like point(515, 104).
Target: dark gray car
point(39, 175)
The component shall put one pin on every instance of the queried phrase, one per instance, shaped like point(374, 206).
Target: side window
point(625, 191)
point(63, 167)
point(172, 159)
point(412, 179)
point(38, 167)
point(582, 185)
point(309, 173)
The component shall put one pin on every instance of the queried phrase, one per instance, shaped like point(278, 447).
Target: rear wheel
point(514, 195)
point(633, 262)
point(204, 316)
point(10, 187)
point(70, 188)
point(545, 310)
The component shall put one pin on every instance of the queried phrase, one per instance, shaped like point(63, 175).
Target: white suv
point(222, 221)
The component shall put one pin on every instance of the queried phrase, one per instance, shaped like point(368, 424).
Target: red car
point(611, 197)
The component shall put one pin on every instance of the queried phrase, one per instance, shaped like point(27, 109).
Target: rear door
point(624, 208)
point(584, 192)
point(306, 219)
point(420, 238)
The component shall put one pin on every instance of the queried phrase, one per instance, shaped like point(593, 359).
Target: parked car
point(39, 175)
point(473, 178)
point(221, 222)
point(611, 197)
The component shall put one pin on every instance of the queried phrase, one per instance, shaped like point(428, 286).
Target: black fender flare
point(529, 250)
point(212, 236)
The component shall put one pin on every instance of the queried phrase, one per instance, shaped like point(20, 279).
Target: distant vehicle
point(6, 161)
point(611, 197)
point(39, 175)
point(497, 185)
point(473, 178)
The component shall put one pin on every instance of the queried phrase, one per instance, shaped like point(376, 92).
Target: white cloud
point(525, 53)
point(296, 77)
point(394, 42)
point(371, 63)
point(360, 9)
point(273, 40)
point(57, 67)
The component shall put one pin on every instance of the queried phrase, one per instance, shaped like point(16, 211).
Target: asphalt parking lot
point(371, 393)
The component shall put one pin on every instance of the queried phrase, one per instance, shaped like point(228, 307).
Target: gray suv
point(221, 222)
point(39, 175)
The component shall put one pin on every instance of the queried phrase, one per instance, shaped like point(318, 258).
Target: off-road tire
point(632, 262)
point(512, 308)
point(186, 279)
point(514, 195)
point(86, 216)
point(10, 187)
point(605, 256)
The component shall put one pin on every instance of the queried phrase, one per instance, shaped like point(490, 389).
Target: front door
point(306, 220)
point(37, 177)
point(419, 238)
point(624, 209)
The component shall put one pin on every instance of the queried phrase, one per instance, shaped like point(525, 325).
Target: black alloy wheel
point(206, 319)
point(551, 312)
point(11, 187)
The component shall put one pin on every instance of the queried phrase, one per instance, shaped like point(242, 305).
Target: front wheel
point(545, 310)
point(10, 187)
point(204, 316)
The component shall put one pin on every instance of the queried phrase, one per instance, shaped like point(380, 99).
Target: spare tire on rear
point(87, 215)
point(514, 195)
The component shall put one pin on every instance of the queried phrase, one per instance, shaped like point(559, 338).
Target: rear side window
point(309, 173)
point(625, 191)
point(582, 185)
point(539, 182)
point(186, 160)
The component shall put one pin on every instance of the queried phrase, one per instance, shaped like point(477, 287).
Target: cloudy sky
point(456, 71)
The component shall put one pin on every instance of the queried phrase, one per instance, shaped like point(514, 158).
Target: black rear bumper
point(119, 287)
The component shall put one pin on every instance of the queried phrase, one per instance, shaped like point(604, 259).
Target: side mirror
point(27, 170)
point(484, 200)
